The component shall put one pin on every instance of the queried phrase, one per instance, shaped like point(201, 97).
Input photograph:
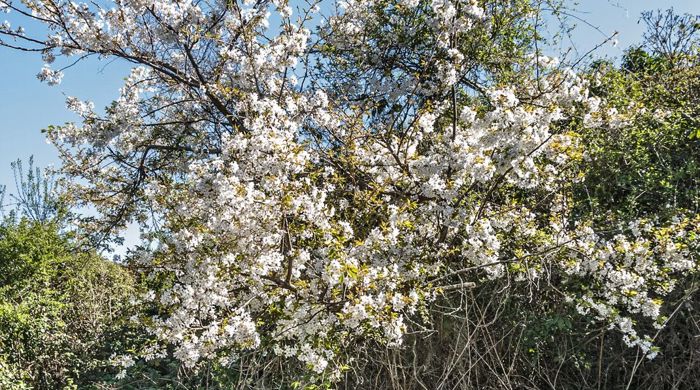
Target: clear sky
point(27, 106)
point(621, 16)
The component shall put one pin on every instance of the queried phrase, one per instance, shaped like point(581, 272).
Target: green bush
point(58, 306)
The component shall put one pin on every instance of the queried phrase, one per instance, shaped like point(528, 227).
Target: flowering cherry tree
point(312, 175)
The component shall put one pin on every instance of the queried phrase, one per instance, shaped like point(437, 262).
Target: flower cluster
point(305, 190)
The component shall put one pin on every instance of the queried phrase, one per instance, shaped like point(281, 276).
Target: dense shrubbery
point(59, 307)
point(425, 205)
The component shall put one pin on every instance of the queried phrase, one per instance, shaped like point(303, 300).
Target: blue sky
point(27, 106)
point(621, 16)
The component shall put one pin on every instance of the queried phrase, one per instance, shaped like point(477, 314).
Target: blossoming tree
point(312, 175)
